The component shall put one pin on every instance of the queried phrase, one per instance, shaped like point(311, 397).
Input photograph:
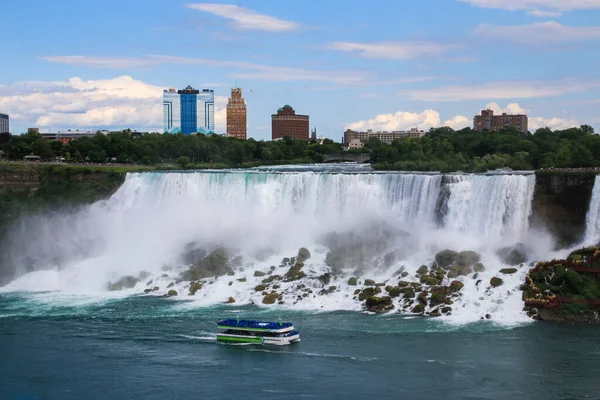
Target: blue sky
point(382, 64)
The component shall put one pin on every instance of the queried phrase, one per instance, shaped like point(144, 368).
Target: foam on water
point(265, 216)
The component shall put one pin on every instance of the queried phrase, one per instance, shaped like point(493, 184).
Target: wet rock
point(488, 316)
point(418, 309)
point(147, 290)
point(172, 293)
point(458, 270)
point(422, 297)
point(429, 280)
point(193, 253)
point(295, 273)
point(479, 267)
point(325, 278)
point(352, 281)
point(446, 258)
point(446, 310)
point(434, 313)
point(408, 292)
point(495, 282)
point(231, 300)
point(456, 286)
point(276, 287)
point(369, 282)
point(366, 293)
point(259, 273)
point(357, 291)
point(155, 289)
point(403, 283)
point(508, 271)
point(513, 255)
point(379, 304)
point(126, 282)
point(332, 289)
point(393, 291)
point(270, 298)
point(194, 287)
point(170, 285)
point(303, 254)
point(404, 274)
point(422, 270)
point(242, 280)
point(272, 278)
point(378, 290)
point(468, 258)
point(260, 288)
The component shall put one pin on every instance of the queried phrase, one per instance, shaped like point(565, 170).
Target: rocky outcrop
point(379, 304)
point(270, 298)
point(446, 258)
point(495, 282)
point(513, 255)
point(126, 282)
point(171, 293)
point(214, 264)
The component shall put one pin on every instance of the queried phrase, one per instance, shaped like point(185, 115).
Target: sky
point(382, 64)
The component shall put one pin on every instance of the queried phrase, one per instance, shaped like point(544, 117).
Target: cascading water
point(265, 216)
point(592, 230)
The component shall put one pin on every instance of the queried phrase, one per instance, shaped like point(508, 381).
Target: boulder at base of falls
point(459, 270)
point(303, 254)
point(468, 258)
point(352, 281)
point(423, 270)
point(369, 282)
point(366, 293)
point(171, 293)
point(508, 271)
point(194, 287)
point(479, 267)
point(446, 258)
point(231, 300)
point(379, 304)
point(270, 298)
point(295, 273)
point(259, 273)
point(193, 253)
point(126, 282)
point(418, 309)
point(513, 255)
point(456, 286)
point(495, 282)
point(214, 264)
point(325, 278)
point(393, 291)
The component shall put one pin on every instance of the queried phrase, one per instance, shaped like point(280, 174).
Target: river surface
point(64, 335)
point(56, 347)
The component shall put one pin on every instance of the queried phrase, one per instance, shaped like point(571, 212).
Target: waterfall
point(396, 220)
point(592, 230)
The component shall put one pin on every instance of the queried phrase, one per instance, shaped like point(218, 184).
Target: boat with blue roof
point(242, 331)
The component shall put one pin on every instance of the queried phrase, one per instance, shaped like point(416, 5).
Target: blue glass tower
point(189, 111)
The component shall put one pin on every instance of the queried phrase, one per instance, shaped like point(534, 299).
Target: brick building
point(236, 115)
point(487, 120)
point(287, 123)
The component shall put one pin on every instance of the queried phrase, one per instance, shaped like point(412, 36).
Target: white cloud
point(458, 122)
point(502, 90)
point(244, 18)
point(117, 103)
point(400, 120)
point(512, 108)
point(545, 14)
point(549, 32)
point(536, 123)
point(395, 50)
point(537, 6)
point(245, 70)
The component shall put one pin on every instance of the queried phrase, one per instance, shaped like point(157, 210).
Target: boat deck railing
point(244, 323)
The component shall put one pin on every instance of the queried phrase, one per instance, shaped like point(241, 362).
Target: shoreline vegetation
point(442, 149)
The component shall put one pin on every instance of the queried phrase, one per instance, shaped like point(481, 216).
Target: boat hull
point(240, 339)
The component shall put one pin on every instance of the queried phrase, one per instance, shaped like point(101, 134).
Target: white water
point(592, 231)
point(266, 216)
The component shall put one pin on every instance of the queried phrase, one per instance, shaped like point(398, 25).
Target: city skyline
point(384, 66)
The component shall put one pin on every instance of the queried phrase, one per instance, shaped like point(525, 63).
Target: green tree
point(183, 161)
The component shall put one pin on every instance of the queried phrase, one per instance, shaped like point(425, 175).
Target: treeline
point(152, 148)
point(444, 149)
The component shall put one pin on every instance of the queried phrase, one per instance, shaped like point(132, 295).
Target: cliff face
point(560, 204)
point(26, 188)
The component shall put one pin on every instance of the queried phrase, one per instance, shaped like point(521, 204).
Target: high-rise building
point(189, 111)
point(4, 127)
point(236, 115)
point(487, 120)
point(287, 123)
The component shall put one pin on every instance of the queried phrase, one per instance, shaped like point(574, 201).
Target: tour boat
point(256, 332)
